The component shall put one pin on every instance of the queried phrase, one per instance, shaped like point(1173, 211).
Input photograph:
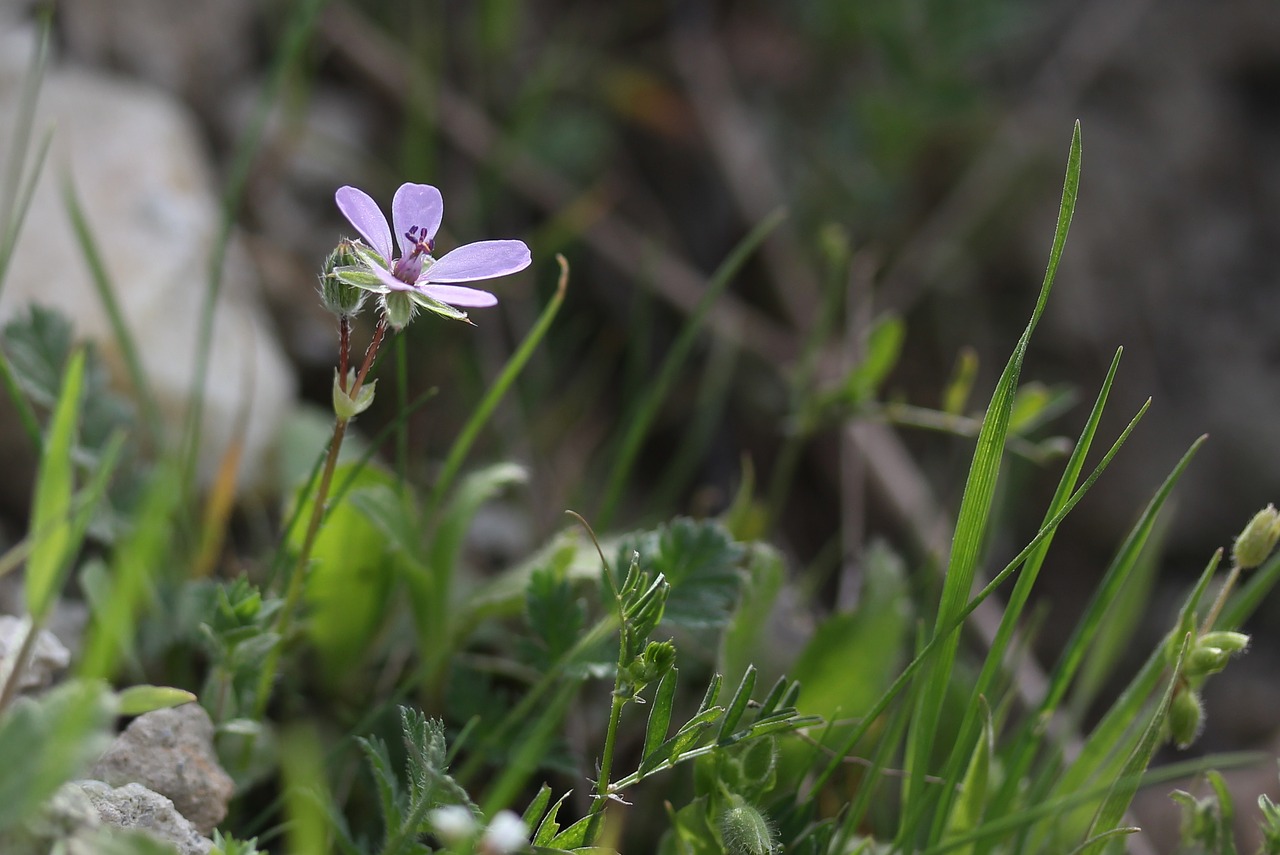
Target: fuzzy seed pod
point(745, 830)
point(1186, 717)
point(342, 299)
point(1258, 538)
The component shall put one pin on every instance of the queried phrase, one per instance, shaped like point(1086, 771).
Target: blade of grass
point(301, 20)
point(645, 411)
point(467, 436)
point(26, 415)
point(51, 505)
point(972, 521)
point(994, 664)
point(905, 677)
point(1085, 630)
point(13, 202)
point(133, 561)
point(102, 283)
point(1116, 804)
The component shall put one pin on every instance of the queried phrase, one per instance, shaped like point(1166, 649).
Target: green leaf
point(884, 347)
point(556, 614)
point(967, 810)
point(47, 742)
point(54, 544)
point(1114, 806)
point(971, 529)
point(390, 799)
point(549, 828)
point(38, 345)
point(660, 713)
point(533, 813)
point(701, 563)
point(738, 705)
point(840, 680)
point(353, 560)
point(137, 700)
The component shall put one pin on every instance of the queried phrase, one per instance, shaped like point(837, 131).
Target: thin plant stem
point(611, 735)
point(344, 350)
point(1221, 600)
point(294, 592)
point(402, 398)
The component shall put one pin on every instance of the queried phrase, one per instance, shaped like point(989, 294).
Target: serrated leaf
point(137, 700)
point(384, 778)
point(575, 835)
point(549, 828)
point(701, 563)
point(555, 612)
point(38, 344)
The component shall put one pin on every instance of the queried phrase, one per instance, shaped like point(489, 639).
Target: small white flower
point(453, 823)
point(506, 833)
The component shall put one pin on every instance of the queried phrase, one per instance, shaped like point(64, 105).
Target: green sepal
point(345, 406)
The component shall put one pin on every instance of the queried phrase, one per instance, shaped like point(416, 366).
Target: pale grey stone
point(135, 807)
point(171, 752)
point(139, 169)
point(48, 657)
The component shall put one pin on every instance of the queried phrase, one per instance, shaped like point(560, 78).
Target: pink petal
point(460, 295)
point(390, 281)
point(486, 259)
point(362, 212)
point(418, 205)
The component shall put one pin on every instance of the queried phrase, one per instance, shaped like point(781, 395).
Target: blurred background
point(917, 148)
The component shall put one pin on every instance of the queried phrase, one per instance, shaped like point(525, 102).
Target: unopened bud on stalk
point(745, 831)
point(339, 297)
point(1186, 715)
point(1258, 538)
point(398, 308)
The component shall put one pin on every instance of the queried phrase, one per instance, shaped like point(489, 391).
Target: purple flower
point(416, 212)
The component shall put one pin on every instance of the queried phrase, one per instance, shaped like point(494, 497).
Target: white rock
point(133, 806)
point(141, 175)
point(47, 657)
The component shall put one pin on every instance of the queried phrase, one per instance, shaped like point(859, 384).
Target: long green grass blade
point(1116, 804)
point(972, 523)
point(135, 557)
point(1085, 630)
point(467, 436)
point(12, 201)
point(642, 417)
point(1113, 738)
point(909, 672)
point(995, 661)
point(292, 47)
point(102, 283)
point(51, 522)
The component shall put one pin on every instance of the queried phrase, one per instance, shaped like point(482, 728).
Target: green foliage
point(699, 560)
point(51, 740)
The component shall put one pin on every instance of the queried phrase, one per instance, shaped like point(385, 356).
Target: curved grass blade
point(51, 520)
point(923, 656)
point(641, 420)
point(510, 371)
point(972, 522)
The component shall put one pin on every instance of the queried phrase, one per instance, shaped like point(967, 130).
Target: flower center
point(408, 268)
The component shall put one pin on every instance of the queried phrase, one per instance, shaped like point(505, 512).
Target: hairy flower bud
point(398, 308)
point(339, 297)
point(745, 831)
point(1186, 716)
point(1258, 538)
